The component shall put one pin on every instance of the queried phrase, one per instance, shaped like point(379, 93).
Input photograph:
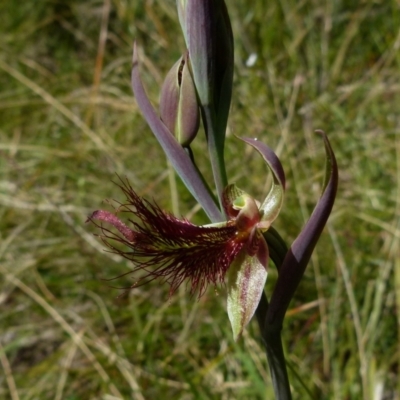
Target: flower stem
point(271, 334)
point(276, 359)
point(215, 142)
point(277, 246)
point(212, 196)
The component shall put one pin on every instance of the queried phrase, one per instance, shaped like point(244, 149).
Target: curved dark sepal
point(299, 254)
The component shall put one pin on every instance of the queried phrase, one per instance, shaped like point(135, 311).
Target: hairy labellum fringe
point(166, 247)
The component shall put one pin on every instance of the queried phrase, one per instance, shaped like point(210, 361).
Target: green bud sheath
point(189, 112)
point(179, 109)
point(169, 97)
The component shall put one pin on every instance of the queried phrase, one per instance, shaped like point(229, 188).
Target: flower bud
point(208, 35)
point(179, 109)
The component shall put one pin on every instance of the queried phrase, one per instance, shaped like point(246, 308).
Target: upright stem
point(216, 151)
point(276, 359)
point(173, 188)
point(277, 365)
point(271, 334)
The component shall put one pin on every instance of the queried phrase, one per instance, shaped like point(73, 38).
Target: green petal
point(246, 281)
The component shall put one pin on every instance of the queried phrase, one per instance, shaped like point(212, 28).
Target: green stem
point(215, 141)
point(271, 334)
point(277, 246)
point(173, 188)
point(276, 359)
point(191, 155)
point(277, 364)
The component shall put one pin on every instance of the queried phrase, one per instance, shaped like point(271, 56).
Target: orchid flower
point(176, 250)
point(234, 250)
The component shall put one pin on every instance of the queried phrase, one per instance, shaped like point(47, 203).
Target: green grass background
point(69, 122)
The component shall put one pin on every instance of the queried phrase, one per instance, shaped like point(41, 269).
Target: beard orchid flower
point(177, 251)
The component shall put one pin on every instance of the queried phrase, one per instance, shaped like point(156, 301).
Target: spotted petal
point(246, 280)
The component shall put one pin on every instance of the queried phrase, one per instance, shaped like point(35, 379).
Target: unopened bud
point(208, 35)
point(179, 109)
